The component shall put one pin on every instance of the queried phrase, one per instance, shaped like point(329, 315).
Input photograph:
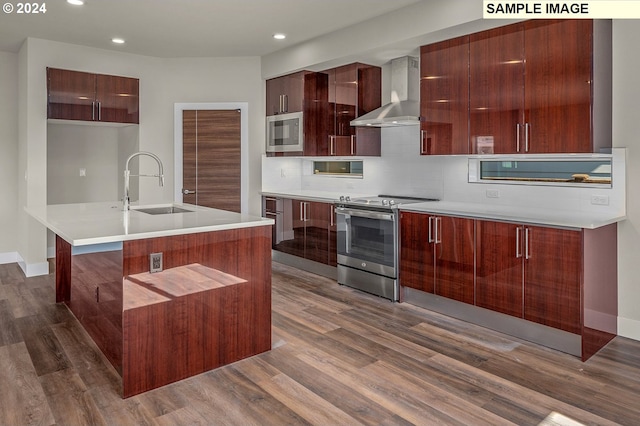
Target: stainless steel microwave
point(285, 132)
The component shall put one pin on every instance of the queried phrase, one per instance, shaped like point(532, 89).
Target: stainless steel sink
point(163, 210)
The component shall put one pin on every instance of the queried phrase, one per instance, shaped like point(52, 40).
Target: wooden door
point(496, 90)
point(558, 85)
point(211, 158)
point(71, 95)
point(117, 99)
point(454, 259)
point(553, 272)
point(416, 252)
point(499, 267)
point(444, 97)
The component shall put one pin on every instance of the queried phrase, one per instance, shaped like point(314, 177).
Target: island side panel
point(63, 270)
point(600, 288)
point(96, 300)
point(235, 321)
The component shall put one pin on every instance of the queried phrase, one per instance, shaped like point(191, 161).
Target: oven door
point(366, 240)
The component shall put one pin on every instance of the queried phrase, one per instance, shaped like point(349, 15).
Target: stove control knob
point(342, 198)
point(392, 202)
point(347, 198)
point(364, 264)
point(385, 202)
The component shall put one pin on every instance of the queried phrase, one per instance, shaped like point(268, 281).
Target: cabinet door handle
point(517, 137)
point(527, 254)
point(423, 136)
point(353, 140)
point(93, 110)
point(285, 103)
point(518, 254)
point(527, 130)
point(332, 145)
point(438, 240)
point(301, 217)
point(430, 238)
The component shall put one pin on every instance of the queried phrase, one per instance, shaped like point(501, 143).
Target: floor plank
point(339, 356)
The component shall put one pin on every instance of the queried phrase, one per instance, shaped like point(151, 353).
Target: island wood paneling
point(92, 286)
point(234, 321)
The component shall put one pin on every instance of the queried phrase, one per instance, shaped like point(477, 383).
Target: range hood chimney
point(404, 108)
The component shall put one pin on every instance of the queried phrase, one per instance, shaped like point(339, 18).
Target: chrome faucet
point(127, 174)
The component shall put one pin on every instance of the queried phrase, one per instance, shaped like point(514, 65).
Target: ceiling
point(189, 28)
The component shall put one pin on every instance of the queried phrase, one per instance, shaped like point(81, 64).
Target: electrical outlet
point(83, 172)
point(600, 200)
point(493, 193)
point(155, 262)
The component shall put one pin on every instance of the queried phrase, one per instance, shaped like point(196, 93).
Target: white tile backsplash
point(401, 170)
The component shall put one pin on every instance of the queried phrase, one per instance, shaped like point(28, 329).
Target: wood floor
point(340, 357)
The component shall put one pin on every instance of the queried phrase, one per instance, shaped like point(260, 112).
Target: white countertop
point(544, 217)
point(106, 222)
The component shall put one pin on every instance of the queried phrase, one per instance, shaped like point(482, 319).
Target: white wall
point(8, 156)
point(626, 92)
point(163, 82)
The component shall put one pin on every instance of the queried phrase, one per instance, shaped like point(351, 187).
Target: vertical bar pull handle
point(353, 144)
point(93, 110)
point(527, 130)
point(430, 238)
point(423, 136)
point(285, 102)
point(438, 238)
point(332, 145)
point(518, 253)
point(527, 254)
point(518, 137)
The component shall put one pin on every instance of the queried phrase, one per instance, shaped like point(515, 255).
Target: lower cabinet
point(305, 229)
point(437, 255)
point(530, 272)
point(565, 279)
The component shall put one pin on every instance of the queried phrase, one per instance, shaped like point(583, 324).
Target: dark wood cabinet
point(305, 229)
point(285, 94)
point(499, 267)
point(437, 255)
point(552, 277)
point(353, 90)
point(530, 272)
point(444, 97)
point(75, 95)
point(557, 86)
point(496, 89)
point(530, 87)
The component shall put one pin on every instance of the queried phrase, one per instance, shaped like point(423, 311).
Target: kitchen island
point(209, 304)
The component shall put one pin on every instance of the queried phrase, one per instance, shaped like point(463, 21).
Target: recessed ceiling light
point(279, 36)
point(117, 40)
point(76, 2)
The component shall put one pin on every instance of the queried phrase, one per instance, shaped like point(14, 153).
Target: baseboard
point(629, 328)
point(33, 269)
point(10, 257)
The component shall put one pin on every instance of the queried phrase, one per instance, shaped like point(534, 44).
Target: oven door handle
point(366, 214)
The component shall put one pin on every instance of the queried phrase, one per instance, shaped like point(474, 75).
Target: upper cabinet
point(540, 86)
point(75, 95)
point(285, 94)
point(354, 90)
point(530, 87)
point(329, 100)
point(444, 97)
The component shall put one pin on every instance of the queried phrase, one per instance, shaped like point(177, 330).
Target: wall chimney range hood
point(404, 108)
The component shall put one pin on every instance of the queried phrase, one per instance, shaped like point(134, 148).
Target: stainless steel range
point(367, 243)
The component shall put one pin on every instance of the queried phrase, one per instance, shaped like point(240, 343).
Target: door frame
point(178, 108)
